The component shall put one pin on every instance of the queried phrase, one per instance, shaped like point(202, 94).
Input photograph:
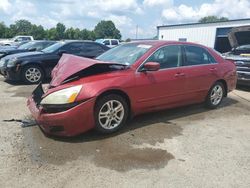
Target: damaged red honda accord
point(128, 80)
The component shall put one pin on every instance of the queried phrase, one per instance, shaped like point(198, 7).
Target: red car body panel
point(145, 90)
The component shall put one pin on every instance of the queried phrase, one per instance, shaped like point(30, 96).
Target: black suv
point(33, 67)
point(30, 46)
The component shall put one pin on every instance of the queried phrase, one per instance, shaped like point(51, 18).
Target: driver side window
point(167, 57)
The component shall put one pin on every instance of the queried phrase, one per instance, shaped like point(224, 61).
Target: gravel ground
point(185, 147)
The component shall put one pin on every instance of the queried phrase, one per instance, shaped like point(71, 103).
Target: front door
point(156, 89)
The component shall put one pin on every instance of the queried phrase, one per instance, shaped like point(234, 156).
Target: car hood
point(71, 67)
point(239, 36)
point(26, 55)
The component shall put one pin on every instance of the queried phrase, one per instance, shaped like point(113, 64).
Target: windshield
point(53, 47)
point(99, 40)
point(125, 54)
point(26, 45)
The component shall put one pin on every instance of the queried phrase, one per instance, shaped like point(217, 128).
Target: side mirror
point(61, 52)
point(151, 66)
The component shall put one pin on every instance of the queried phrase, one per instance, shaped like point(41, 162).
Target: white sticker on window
point(144, 46)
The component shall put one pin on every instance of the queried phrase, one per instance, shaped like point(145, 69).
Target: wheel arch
point(29, 64)
point(225, 86)
point(117, 92)
point(33, 63)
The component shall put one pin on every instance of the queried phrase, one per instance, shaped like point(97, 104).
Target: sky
point(126, 14)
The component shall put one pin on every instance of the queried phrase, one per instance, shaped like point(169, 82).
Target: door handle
point(213, 69)
point(179, 74)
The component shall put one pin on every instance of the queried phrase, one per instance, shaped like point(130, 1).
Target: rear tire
point(111, 113)
point(32, 74)
point(215, 95)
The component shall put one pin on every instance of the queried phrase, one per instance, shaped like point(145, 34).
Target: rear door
point(74, 48)
point(201, 71)
point(166, 86)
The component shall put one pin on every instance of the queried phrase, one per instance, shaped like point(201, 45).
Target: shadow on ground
point(117, 151)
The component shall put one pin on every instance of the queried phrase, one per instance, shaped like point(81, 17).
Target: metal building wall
point(199, 33)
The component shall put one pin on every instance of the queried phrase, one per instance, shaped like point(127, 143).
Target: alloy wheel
point(216, 95)
point(33, 74)
point(111, 114)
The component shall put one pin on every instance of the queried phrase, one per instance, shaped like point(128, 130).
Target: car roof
point(43, 41)
point(164, 42)
point(69, 41)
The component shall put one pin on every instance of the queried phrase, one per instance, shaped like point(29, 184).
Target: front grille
point(243, 70)
point(243, 75)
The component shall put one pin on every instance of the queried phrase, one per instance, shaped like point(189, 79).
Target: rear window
point(197, 56)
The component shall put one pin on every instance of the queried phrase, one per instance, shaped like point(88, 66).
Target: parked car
point(109, 42)
point(128, 80)
point(17, 39)
point(13, 46)
point(33, 67)
point(240, 54)
point(30, 46)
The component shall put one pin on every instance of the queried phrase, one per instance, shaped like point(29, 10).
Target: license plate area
point(38, 93)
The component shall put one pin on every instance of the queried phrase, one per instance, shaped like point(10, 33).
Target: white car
point(109, 42)
point(16, 39)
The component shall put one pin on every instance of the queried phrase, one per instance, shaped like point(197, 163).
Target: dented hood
point(70, 65)
point(239, 36)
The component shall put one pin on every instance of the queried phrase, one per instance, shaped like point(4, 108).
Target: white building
point(209, 34)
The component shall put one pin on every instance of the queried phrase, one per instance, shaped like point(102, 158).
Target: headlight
point(64, 96)
point(2, 62)
point(12, 62)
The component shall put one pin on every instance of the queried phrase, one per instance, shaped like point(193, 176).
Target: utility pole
point(136, 31)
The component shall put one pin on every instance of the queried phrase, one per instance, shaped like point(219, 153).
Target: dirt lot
point(185, 147)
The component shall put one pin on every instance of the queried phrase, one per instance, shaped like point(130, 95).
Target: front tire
point(32, 74)
point(215, 95)
point(111, 113)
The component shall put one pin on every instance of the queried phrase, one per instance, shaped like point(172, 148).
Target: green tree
point(2, 30)
point(208, 19)
point(92, 35)
point(22, 27)
point(51, 34)
point(85, 34)
point(128, 40)
point(77, 33)
point(70, 33)
point(38, 32)
point(106, 29)
point(60, 29)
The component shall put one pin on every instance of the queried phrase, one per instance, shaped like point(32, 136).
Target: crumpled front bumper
point(71, 122)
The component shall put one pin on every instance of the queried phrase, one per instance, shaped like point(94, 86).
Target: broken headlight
point(64, 96)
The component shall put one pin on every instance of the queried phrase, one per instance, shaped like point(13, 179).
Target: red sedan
point(128, 80)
